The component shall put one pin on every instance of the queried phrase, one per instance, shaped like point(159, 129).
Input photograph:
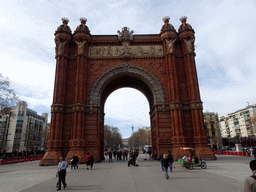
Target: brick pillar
point(199, 135)
point(57, 109)
point(77, 135)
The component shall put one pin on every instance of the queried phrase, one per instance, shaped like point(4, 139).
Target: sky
point(224, 45)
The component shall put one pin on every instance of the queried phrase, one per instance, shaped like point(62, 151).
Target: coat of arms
point(125, 34)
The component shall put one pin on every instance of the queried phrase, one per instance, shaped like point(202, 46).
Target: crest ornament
point(125, 34)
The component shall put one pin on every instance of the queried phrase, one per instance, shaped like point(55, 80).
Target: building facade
point(90, 67)
point(211, 120)
point(22, 130)
point(240, 123)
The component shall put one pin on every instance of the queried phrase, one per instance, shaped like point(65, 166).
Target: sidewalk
point(224, 174)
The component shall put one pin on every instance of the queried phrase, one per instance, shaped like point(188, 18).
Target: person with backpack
point(170, 158)
point(250, 182)
point(166, 165)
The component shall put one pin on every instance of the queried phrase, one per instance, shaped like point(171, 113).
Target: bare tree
point(112, 137)
point(141, 138)
point(7, 95)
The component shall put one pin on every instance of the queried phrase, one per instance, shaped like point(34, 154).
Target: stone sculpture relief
point(61, 46)
point(80, 46)
point(170, 44)
point(190, 44)
point(132, 51)
point(125, 34)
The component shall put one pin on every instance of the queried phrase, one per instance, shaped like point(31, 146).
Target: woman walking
point(166, 165)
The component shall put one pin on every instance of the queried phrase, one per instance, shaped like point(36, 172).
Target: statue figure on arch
point(170, 44)
point(61, 46)
point(190, 44)
point(80, 45)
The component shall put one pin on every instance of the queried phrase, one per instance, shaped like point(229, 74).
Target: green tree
point(112, 137)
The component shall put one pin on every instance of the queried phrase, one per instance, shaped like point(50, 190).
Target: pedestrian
point(123, 153)
point(149, 154)
point(75, 161)
point(61, 173)
point(87, 160)
point(166, 165)
point(161, 161)
point(250, 182)
point(91, 161)
point(110, 156)
point(254, 153)
point(126, 154)
point(170, 158)
point(114, 153)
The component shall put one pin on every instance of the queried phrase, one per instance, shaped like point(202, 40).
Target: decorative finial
point(183, 19)
point(65, 20)
point(166, 19)
point(83, 20)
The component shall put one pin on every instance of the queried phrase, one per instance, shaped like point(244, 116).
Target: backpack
point(254, 177)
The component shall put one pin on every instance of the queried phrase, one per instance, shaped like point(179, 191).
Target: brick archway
point(90, 67)
point(128, 70)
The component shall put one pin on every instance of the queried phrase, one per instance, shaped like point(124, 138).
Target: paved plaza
point(227, 174)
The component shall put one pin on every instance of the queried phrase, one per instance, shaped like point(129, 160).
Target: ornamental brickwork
point(90, 67)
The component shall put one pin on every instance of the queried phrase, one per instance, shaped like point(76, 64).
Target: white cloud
point(225, 47)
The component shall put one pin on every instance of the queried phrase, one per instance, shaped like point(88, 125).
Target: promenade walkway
point(227, 174)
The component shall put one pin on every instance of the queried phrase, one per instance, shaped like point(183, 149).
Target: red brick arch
point(90, 67)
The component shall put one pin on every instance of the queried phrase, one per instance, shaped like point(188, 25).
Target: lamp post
point(132, 137)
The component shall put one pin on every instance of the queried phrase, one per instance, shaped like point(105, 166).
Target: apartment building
point(240, 123)
point(211, 121)
point(22, 130)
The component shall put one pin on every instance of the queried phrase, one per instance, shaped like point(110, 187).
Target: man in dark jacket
point(110, 156)
point(75, 161)
point(165, 165)
point(170, 159)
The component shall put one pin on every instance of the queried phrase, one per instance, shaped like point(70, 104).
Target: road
point(225, 174)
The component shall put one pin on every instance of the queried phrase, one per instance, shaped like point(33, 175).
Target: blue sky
point(225, 49)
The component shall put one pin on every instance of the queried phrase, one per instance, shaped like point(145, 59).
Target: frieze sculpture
point(170, 44)
point(190, 44)
point(80, 46)
point(125, 34)
point(119, 51)
point(61, 46)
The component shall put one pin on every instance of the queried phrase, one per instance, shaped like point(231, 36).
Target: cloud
point(225, 48)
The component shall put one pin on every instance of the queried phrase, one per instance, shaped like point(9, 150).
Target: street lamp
point(132, 137)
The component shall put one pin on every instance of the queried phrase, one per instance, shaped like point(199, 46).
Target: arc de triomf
point(90, 67)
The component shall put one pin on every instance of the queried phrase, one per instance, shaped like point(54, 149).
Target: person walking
point(170, 158)
point(75, 161)
point(110, 156)
point(250, 182)
point(61, 172)
point(149, 154)
point(87, 160)
point(254, 153)
point(161, 161)
point(166, 165)
point(91, 161)
point(123, 153)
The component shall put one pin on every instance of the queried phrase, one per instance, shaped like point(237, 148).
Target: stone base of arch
point(51, 157)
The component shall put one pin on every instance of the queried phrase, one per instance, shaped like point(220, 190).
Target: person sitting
point(190, 158)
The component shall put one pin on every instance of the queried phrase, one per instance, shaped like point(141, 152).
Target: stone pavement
point(227, 174)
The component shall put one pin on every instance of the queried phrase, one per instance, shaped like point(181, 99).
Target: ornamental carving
point(80, 45)
point(60, 46)
point(170, 44)
point(126, 50)
point(190, 44)
point(125, 34)
point(127, 69)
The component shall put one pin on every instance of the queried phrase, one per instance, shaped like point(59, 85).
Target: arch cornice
point(127, 69)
